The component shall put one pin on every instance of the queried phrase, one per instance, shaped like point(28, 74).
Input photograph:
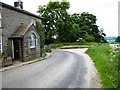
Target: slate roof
point(21, 31)
point(19, 10)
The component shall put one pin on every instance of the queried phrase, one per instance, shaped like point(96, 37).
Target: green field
point(106, 62)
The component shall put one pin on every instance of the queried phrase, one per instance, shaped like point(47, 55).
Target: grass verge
point(106, 62)
point(72, 45)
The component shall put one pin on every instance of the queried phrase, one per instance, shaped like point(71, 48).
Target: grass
point(106, 62)
point(73, 45)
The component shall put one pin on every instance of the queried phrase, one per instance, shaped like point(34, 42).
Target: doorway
point(18, 49)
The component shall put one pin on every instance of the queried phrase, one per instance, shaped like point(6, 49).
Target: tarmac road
point(70, 68)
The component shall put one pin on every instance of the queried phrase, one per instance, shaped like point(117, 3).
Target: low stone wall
point(5, 61)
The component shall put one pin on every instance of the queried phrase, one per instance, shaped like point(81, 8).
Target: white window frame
point(0, 19)
point(0, 23)
point(1, 44)
point(32, 40)
point(12, 49)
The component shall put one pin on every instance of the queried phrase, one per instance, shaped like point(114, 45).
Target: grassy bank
point(106, 62)
point(74, 44)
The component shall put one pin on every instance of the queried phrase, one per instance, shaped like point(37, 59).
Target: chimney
point(18, 4)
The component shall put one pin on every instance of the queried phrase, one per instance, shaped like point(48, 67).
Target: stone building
point(19, 39)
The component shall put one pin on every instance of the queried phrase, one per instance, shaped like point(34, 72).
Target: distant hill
point(111, 38)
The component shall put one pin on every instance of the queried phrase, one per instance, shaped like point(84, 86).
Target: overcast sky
point(106, 11)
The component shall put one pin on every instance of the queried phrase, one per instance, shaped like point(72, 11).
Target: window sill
point(32, 47)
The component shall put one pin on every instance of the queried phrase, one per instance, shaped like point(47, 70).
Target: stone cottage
point(19, 39)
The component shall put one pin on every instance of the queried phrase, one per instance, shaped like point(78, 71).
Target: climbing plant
point(42, 37)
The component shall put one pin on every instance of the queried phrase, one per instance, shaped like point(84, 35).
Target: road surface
point(70, 68)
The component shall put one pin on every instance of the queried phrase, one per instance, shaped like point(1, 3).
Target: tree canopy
point(118, 39)
point(60, 26)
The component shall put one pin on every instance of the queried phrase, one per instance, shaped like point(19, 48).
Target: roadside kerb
point(25, 63)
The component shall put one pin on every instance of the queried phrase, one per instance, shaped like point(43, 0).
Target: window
point(0, 22)
point(32, 40)
point(0, 18)
point(33, 22)
point(0, 43)
point(0, 15)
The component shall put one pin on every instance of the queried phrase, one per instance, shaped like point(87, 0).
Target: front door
point(17, 49)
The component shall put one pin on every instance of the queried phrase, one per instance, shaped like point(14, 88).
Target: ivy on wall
point(42, 37)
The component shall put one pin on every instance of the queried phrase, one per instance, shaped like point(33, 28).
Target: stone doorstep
point(25, 63)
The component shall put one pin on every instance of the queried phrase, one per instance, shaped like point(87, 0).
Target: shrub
point(117, 39)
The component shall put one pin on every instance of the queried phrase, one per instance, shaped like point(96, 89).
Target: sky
point(106, 11)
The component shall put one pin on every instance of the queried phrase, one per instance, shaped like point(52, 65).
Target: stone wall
point(11, 20)
point(5, 60)
point(31, 53)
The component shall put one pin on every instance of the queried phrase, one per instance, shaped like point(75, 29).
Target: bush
point(48, 48)
point(82, 41)
point(89, 38)
point(57, 45)
point(117, 39)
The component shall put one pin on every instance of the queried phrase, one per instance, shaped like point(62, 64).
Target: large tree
point(60, 26)
point(88, 29)
point(54, 17)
